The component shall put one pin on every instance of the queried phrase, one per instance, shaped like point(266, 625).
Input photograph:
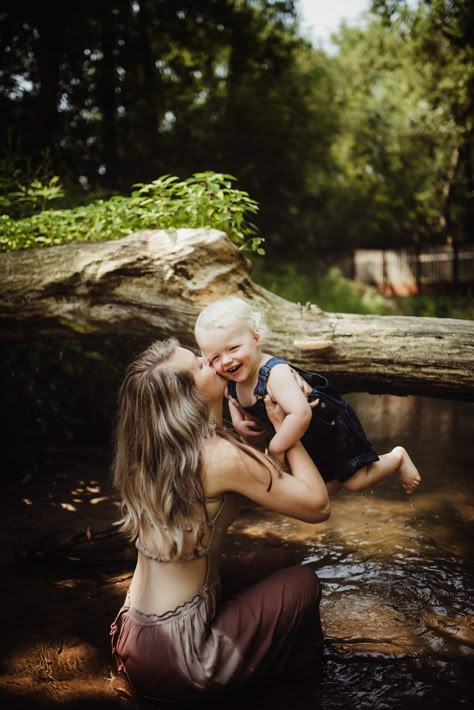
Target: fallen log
point(153, 283)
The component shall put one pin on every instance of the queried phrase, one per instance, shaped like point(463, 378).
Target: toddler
point(230, 332)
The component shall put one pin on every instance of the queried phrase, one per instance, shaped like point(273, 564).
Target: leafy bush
point(205, 199)
point(26, 188)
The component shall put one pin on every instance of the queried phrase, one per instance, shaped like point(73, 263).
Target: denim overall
point(335, 438)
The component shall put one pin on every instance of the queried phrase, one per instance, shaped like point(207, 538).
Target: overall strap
point(232, 389)
point(314, 378)
point(263, 375)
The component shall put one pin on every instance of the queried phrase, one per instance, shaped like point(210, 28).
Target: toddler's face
point(204, 376)
point(234, 351)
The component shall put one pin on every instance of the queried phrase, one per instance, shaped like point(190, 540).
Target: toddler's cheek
point(218, 368)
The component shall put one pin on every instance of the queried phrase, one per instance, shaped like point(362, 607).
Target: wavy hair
point(162, 420)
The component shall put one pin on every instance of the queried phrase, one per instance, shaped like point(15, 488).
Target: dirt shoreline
point(65, 575)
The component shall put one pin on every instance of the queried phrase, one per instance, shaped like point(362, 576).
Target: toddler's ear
point(258, 337)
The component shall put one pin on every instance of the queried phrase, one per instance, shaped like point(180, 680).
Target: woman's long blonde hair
point(161, 424)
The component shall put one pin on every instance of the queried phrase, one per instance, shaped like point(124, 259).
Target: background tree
point(441, 49)
point(371, 146)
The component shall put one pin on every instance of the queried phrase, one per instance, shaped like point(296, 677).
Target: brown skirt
point(260, 620)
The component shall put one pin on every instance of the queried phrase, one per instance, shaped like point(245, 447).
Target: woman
point(190, 628)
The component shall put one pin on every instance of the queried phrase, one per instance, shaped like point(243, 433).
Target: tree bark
point(155, 282)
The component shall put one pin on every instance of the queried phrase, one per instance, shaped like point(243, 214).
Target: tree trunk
point(48, 56)
point(155, 282)
point(150, 88)
point(106, 94)
point(446, 195)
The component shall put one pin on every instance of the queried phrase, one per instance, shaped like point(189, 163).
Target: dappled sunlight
point(61, 671)
point(66, 584)
point(457, 628)
point(363, 623)
point(55, 660)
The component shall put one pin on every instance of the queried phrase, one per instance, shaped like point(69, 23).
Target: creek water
point(397, 570)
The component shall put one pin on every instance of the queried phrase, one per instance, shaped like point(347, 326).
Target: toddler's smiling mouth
point(233, 370)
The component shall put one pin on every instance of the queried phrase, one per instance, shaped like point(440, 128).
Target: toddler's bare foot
point(407, 471)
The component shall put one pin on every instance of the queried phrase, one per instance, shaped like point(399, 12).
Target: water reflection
point(397, 571)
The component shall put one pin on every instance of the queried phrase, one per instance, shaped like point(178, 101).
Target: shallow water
point(397, 571)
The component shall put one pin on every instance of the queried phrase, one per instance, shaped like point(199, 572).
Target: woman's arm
point(301, 494)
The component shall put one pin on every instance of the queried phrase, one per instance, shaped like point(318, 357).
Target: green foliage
point(398, 172)
point(31, 197)
point(370, 146)
point(436, 306)
point(25, 189)
point(204, 200)
point(437, 61)
point(328, 289)
point(390, 151)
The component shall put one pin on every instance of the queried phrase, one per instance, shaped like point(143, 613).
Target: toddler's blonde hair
point(229, 311)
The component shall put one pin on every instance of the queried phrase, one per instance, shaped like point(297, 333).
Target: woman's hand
point(274, 411)
point(277, 417)
point(250, 429)
point(305, 387)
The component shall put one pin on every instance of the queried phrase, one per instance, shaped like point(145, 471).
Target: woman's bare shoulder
point(240, 468)
point(219, 451)
point(218, 460)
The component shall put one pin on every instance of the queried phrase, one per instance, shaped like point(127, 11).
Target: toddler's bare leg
point(397, 461)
